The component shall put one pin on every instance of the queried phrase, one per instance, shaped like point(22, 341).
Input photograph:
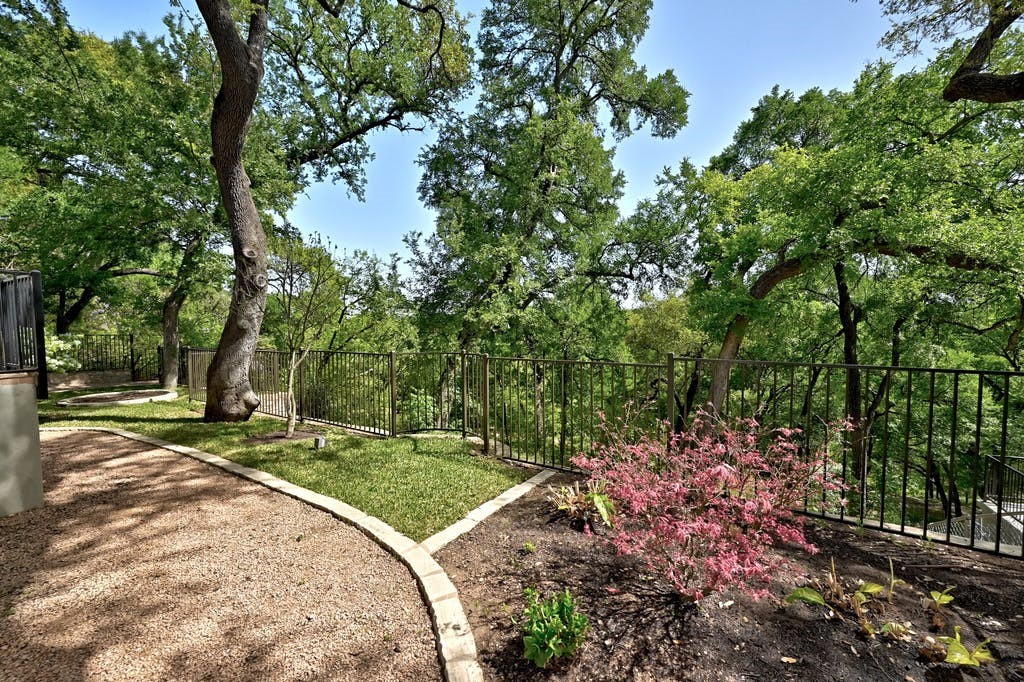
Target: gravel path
point(146, 565)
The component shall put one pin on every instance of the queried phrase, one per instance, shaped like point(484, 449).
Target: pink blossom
point(707, 511)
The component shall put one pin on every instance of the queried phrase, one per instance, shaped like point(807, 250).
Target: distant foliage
point(706, 510)
point(62, 354)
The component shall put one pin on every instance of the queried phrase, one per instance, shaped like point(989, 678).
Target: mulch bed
point(642, 631)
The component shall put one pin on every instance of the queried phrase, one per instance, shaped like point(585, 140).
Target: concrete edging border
point(159, 397)
point(456, 646)
point(438, 540)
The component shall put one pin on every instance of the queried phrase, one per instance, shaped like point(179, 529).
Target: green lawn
point(418, 485)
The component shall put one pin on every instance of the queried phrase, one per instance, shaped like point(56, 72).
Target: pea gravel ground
point(147, 565)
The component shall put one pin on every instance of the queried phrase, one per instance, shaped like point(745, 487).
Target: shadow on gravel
point(118, 575)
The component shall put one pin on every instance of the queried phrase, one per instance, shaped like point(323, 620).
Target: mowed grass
point(417, 485)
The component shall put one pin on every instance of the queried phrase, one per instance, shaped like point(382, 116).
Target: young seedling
point(957, 653)
point(899, 632)
point(893, 582)
point(858, 601)
point(937, 601)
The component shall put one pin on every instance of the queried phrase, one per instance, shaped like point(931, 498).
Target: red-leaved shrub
point(706, 511)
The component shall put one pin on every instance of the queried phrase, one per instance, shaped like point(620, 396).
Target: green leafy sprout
point(552, 627)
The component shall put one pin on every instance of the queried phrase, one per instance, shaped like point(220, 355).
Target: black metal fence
point(934, 453)
point(22, 342)
point(140, 357)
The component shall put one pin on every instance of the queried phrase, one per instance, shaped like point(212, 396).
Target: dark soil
point(115, 397)
point(642, 631)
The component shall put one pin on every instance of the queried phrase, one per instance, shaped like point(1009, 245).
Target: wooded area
point(877, 224)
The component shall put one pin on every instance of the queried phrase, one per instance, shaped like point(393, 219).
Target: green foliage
point(937, 601)
point(418, 410)
point(583, 506)
point(833, 595)
point(62, 353)
point(959, 654)
point(552, 627)
point(525, 187)
point(661, 326)
point(808, 595)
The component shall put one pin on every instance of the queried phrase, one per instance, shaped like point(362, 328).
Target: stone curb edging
point(456, 646)
point(160, 397)
point(438, 540)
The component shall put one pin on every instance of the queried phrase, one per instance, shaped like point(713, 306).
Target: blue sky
point(727, 54)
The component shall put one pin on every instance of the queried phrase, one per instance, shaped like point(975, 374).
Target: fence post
point(131, 356)
point(42, 379)
point(670, 390)
point(485, 398)
point(392, 382)
point(465, 407)
point(301, 407)
point(183, 352)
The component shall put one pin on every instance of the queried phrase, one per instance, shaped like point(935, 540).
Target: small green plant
point(834, 596)
point(937, 601)
point(893, 582)
point(529, 547)
point(899, 632)
point(583, 506)
point(552, 627)
point(957, 653)
point(808, 595)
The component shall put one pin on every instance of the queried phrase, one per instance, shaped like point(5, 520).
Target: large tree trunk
point(171, 345)
point(229, 395)
point(67, 314)
point(761, 287)
point(849, 318)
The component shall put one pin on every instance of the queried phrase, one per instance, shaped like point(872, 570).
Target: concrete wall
point(21, 470)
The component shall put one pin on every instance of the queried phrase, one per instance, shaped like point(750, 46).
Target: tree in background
point(338, 71)
point(525, 186)
point(306, 300)
point(114, 182)
point(875, 185)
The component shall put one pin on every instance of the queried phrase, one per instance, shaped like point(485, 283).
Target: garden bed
point(641, 630)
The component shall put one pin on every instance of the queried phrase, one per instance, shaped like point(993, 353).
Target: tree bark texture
point(849, 318)
point(734, 334)
point(171, 342)
point(229, 395)
point(970, 82)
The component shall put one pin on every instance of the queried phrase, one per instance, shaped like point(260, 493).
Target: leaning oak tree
point(339, 71)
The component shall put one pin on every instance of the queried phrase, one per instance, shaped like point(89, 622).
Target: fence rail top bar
point(872, 368)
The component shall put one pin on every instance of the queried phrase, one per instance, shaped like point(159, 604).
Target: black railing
point(918, 458)
point(117, 352)
point(22, 342)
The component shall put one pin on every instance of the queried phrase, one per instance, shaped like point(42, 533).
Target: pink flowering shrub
point(706, 511)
